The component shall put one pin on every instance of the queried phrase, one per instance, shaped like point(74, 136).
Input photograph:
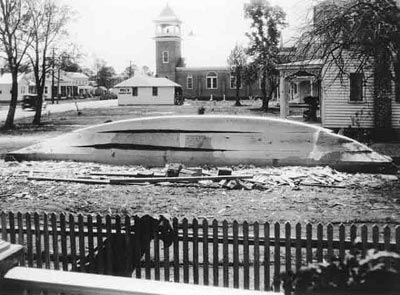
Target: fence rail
point(245, 255)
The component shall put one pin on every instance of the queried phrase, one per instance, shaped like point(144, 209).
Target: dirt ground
point(357, 198)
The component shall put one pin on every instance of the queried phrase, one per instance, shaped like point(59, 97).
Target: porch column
point(284, 105)
point(311, 87)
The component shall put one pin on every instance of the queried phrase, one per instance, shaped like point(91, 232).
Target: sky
point(122, 31)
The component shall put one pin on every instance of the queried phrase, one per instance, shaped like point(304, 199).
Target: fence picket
point(81, 239)
point(267, 257)
point(29, 239)
point(205, 253)
point(364, 240)
point(375, 236)
point(342, 237)
point(99, 236)
point(63, 233)
point(225, 253)
point(215, 253)
point(4, 226)
point(38, 240)
point(195, 251)
point(176, 251)
point(246, 256)
point(329, 234)
point(156, 248)
point(21, 235)
point(298, 246)
point(166, 264)
point(235, 233)
point(54, 238)
point(320, 236)
point(277, 257)
point(185, 251)
point(256, 234)
point(147, 256)
point(109, 256)
point(46, 241)
point(288, 254)
point(308, 242)
point(386, 237)
point(90, 243)
point(72, 240)
point(11, 221)
point(398, 239)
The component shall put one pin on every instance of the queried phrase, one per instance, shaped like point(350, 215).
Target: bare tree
point(15, 38)
point(237, 61)
point(363, 30)
point(48, 25)
point(264, 35)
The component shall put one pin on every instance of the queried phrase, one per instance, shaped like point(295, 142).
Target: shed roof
point(147, 81)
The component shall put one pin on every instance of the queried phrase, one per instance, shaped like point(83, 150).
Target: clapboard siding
point(338, 111)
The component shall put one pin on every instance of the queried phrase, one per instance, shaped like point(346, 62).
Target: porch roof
point(303, 64)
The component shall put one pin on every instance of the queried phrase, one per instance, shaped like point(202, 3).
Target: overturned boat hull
point(208, 140)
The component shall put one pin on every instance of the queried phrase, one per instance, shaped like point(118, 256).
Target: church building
point(197, 82)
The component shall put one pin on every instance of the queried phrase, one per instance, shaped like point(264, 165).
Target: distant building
point(6, 83)
point(146, 90)
point(197, 82)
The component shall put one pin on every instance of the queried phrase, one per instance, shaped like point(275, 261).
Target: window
point(356, 87)
point(155, 91)
point(165, 57)
point(189, 82)
point(45, 90)
point(1, 91)
point(122, 91)
point(212, 80)
point(134, 91)
point(233, 82)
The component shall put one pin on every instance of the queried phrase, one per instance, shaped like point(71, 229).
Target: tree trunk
point(265, 99)
point(9, 123)
point(39, 104)
point(382, 96)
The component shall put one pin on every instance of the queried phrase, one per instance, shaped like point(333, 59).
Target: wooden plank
point(109, 266)
point(46, 240)
point(375, 236)
point(176, 179)
point(29, 245)
point(320, 237)
point(329, 233)
point(235, 229)
point(157, 273)
point(225, 254)
point(353, 237)
point(72, 240)
point(215, 244)
point(288, 254)
point(205, 253)
point(342, 237)
point(386, 237)
point(90, 242)
point(21, 239)
point(277, 257)
point(267, 257)
point(398, 238)
point(246, 256)
point(176, 251)
point(54, 238)
point(309, 258)
point(147, 262)
point(298, 246)
point(81, 239)
point(11, 221)
point(256, 233)
point(128, 245)
point(64, 251)
point(166, 264)
point(38, 240)
point(185, 251)
point(63, 179)
point(195, 230)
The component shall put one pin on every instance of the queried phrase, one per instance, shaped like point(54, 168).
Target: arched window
point(212, 80)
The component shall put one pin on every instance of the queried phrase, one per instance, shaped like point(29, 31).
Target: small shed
point(142, 89)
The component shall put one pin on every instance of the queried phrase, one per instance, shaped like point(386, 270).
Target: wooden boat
point(208, 139)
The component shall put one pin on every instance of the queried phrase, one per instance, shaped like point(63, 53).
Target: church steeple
point(168, 43)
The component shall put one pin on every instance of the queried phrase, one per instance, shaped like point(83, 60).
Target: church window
point(356, 87)
point(212, 80)
point(189, 82)
point(165, 57)
point(233, 82)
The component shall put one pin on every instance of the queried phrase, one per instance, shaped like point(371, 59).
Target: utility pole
point(52, 79)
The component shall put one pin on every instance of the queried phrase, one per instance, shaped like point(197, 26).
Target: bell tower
point(168, 43)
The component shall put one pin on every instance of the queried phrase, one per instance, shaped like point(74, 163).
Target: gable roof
point(147, 81)
point(6, 78)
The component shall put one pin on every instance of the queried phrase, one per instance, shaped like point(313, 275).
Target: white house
point(6, 83)
point(142, 89)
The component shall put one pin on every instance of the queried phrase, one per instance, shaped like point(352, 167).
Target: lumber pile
point(230, 178)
